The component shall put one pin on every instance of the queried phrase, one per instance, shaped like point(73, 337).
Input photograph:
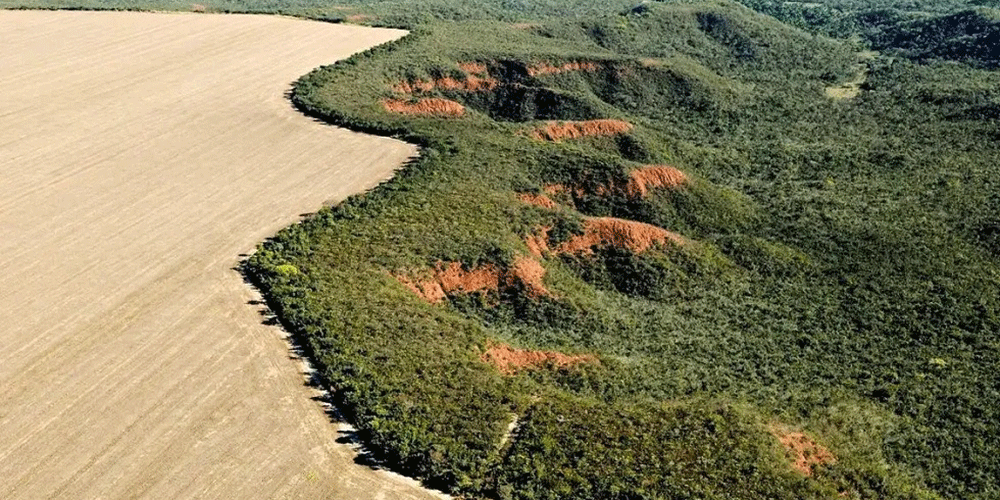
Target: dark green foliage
point(843, 256)
point(566, 449)
point(520, 103)
point(971, 36)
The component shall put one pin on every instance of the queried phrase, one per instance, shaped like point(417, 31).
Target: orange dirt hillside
point(804, 452)
point(471, 83)
point(510, 361)
point(606, 231)
point(473, 67)
point(428, 107)
point(553, 69)
point(639, 184)
point(641, 181)
point(557, 131)
point(538, 243)
point(450, 278)
point(538, 200)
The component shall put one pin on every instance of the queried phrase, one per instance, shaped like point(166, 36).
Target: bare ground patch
point(470, 83)
point(450, 278)
point(801, 450)
point(559, 130)
point(511, 361)
point(431, 106)
point(538, 69)
point(619, 233)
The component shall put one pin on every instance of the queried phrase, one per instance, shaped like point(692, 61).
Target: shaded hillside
point(971, 36)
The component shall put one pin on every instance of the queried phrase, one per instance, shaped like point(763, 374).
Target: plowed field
point(140, 155)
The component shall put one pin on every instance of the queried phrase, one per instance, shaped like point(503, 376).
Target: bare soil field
point(140, 155)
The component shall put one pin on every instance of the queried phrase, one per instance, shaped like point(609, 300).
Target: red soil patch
point(554, 189)
point(538, 243)
point(605, 231)
point(428, 290)
point(562, 189)
point(529, 273)
point(653, 176)
point(510, 361)
point(197, 7)
point(640, 182)
point(450, 278)
point(473, 67)
point(551, 69)
point(455, 279)
point(803, 451)
point(431, 106)
point(470, 83)
point(538, 200)
point(619, 233)
point(556, 131)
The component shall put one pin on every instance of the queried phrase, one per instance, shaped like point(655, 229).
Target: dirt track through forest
point(140, 155)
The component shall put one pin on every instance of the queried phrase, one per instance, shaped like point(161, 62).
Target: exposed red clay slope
point(640, 183)
point(450, 278)
point(529, 273)
point(557, 131)
point(651, 177)
point(473, 67)
point(432, 106)
point(552, 69)
point(429, 290)
point(538, 243)
point(802, 450)
point(619, 233)
point(510, 361)
point(538, 200)
point(554, 189)
point(471, 83)
point(455, 279)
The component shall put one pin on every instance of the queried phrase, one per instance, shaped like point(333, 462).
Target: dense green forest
point(842, 279)
point(832, 272)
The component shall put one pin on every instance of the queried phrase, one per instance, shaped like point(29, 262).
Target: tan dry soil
point(851, 89)
point(551, 69)
point(140, 154)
